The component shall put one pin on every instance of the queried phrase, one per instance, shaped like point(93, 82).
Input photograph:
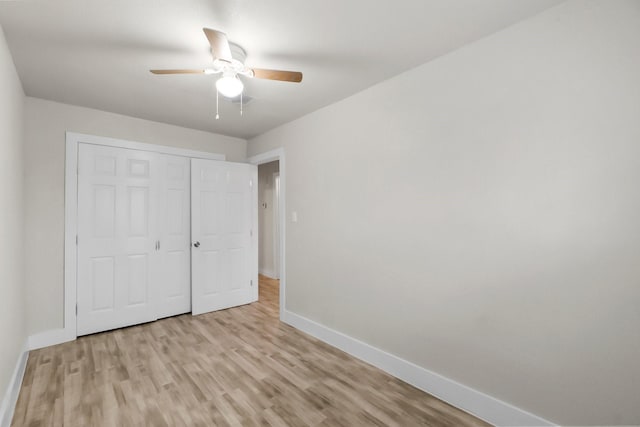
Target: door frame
point(276, 224)
point(73, 139)
point(267, 157)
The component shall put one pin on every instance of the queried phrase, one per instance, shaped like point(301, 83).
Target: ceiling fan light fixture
point(229, 86)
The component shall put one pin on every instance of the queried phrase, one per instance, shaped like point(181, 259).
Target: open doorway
point(277, 285)
point(269, 233)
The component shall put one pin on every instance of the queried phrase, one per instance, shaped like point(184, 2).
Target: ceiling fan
point(228, 60)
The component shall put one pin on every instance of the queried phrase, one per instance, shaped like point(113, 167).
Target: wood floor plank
point(240, 366)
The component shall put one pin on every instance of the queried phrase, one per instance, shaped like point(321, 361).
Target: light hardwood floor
point(240, 366)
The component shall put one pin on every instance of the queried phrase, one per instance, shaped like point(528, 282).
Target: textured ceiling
point(97, 53)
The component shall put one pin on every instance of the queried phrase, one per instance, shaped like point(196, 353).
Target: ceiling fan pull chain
point(217, 108)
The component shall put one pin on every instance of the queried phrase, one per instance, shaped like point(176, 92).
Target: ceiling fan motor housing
point(236, 66)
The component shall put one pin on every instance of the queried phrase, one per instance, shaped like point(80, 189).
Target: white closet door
point(224, 202)
point(174, 275)
point(117, 195)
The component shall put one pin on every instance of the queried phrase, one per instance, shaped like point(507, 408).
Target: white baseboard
point(266, 272)
point(49, 338)
point(10, 398)
point(483, 406)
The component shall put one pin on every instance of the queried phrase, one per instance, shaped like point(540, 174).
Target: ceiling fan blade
point(285, 76)
point(177, 71)
point(219, 44)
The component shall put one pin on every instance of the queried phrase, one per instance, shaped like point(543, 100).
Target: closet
point(161, 235)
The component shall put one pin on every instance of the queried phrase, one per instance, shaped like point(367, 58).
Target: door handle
point(196, 244)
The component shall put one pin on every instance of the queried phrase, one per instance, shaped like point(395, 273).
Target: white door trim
point(133, 145)
point(69, 330)
point(259, 159)
point(276, 225)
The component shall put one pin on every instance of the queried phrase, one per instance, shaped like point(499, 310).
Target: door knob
point(196, 244)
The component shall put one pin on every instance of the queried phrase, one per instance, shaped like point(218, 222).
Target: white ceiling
point(97, 53)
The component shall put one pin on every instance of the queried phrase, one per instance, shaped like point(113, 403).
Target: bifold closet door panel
point(117, 224)
point(174, 278)
point(224, 246)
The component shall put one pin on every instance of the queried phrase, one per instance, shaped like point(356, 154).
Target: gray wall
point(480, 215)
point(46, 124)
point(266, 190)
point(12, 303)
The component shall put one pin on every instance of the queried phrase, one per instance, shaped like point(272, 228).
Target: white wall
point(46, 124)
point(12, 303)
point(266, 229)
point(480, 215)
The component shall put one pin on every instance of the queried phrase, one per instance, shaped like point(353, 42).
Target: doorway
point(268, 232)
point(272, 269)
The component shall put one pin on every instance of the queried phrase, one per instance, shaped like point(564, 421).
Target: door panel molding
point(224, 200)
point(175, 237)
point(115, 268)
